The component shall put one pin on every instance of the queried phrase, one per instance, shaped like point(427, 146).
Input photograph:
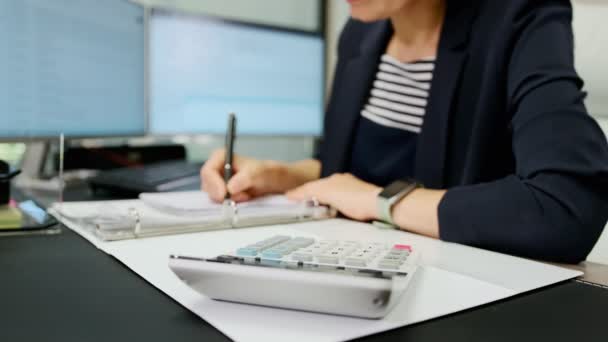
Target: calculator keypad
point(346, 254)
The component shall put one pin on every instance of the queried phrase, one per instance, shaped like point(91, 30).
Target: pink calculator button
point(407, 247)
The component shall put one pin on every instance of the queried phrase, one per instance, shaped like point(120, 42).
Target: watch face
point(394, 188)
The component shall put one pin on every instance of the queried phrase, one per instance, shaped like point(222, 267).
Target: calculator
point(351, 278)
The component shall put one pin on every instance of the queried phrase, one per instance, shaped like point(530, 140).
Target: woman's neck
point(417, 30)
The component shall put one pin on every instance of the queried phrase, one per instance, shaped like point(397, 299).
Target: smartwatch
point(392, 194)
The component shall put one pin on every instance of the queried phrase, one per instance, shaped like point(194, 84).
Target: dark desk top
point(61, 288)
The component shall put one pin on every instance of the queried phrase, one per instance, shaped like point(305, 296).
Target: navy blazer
point(506, 130)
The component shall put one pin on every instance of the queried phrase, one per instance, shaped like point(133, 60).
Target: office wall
point(590, 30)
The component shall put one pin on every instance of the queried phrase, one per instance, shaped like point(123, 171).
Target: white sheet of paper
point(199, 203)
point(451, 278)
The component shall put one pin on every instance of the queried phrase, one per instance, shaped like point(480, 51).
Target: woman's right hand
point(252, 178)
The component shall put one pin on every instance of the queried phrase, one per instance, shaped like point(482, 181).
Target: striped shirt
point(399, 94)
point(386, 137)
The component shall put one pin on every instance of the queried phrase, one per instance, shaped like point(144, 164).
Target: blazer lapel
point(451, 59)
point(352, 91)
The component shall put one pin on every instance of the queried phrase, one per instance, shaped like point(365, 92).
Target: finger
point(211, 176)
point(216, 159)
point(241, 197)
point(240, 182)
point(213, 184)
point(238, 162)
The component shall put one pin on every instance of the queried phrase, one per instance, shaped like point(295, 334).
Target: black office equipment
point(159, 177)
point(5, 177)
point(123, 156)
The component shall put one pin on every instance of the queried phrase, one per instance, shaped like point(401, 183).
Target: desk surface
point(60, 288)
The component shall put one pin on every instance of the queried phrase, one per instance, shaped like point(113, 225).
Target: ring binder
point(230, 210)
point(137, 228)
point(147, 217)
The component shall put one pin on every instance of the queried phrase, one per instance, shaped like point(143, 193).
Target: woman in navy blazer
point(508, 155)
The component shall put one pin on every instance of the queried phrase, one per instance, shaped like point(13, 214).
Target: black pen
point(230, 135)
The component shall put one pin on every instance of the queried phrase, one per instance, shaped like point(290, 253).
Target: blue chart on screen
point(73, 67)
point(202, 68)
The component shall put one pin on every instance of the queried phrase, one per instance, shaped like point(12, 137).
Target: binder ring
point(230, 212)
point(137, 229)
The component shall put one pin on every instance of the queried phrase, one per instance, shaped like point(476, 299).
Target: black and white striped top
point(386, 138)
point(399, 94)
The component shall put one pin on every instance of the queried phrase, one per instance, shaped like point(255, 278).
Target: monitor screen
point(71, 66)
point(202, 68)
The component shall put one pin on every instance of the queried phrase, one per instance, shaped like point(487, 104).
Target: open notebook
point(182, 212)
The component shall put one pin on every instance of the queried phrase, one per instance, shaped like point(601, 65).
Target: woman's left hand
point(351, 196)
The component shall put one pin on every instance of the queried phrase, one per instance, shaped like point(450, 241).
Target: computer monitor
point(71, 66)
point(201, 68)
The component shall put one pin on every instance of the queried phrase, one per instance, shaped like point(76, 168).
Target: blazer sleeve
point(346, 41)
point(555, 206)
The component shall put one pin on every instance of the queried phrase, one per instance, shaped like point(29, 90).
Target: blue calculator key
point(272, 255)
point(247, 251)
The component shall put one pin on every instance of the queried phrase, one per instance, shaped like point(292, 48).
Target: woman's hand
point(356, 199)
point(351, 196)
point(253, 178)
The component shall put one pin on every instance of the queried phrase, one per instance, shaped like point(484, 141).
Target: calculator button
point(278, 239)
point(318, 249)
point(271, 254)
point(285, 249)
point(303, 242)
point(403, 247)
point(392, 258)
point(337, 252)
point(362, 256)
point(347, 249)
point(246, 252)
point(401, 257)
point(389, 264)
point(368, 254)
point(257, 247)
point(302, 257)
point(272, 242)
point(360, 262)
point(328, 259)
point(328, 243)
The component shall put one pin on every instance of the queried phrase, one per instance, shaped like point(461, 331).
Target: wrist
point(299, 173)
point(279, 175)
point(418, 212)
point(374, 214)
point(390, 197)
